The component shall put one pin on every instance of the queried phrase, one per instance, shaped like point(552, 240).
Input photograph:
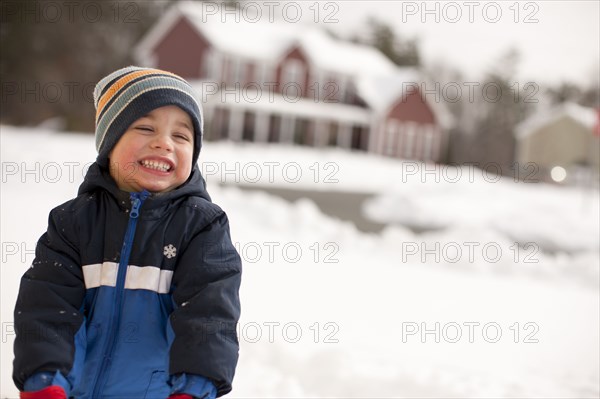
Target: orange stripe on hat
point(116, 86)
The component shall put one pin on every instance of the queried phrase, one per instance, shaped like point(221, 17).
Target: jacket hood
point(98, 177)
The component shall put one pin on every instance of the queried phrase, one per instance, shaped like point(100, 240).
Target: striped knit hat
point(130, 93)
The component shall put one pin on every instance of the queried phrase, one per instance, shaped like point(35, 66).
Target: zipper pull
point(136, 201)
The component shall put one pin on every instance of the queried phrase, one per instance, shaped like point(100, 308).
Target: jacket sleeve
point(193, 385)
point(47, 313)
point(206, 286)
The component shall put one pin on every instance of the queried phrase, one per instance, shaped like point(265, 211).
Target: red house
point(269, 81)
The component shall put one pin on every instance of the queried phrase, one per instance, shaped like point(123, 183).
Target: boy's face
point(155, 152)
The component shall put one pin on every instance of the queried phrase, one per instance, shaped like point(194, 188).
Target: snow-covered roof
point(269, 41)
point(377, 80)
point(380, 90)
point(587, 117)
point(351, 59)
point(260, 41)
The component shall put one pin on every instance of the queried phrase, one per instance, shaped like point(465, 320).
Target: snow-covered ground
point(499, 297)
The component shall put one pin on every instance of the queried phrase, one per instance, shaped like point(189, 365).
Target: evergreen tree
point(400, 52)
point(504, 103)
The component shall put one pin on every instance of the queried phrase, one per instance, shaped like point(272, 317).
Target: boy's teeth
point(156, 165)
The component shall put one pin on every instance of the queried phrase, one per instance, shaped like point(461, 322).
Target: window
point(409, 141)
point(288, 124)
point(342, 87)
point(264, 77)
point(301, 132)
point(330, 89)
point(274, 126)
point(333, 134)
point(220, 124)
point(358, 138)
point(391, 138)
point(211, 66)
point(233, 70)
point(248, 128)
point(293, 71)
point(428, 143)
point(237, 70)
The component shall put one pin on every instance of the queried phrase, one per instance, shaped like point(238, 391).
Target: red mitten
point(51, 392)
point(180, 396)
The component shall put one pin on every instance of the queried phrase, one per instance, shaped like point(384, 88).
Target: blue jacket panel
point(120, 303)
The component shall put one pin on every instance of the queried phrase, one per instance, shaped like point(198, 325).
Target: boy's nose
point(162, 141)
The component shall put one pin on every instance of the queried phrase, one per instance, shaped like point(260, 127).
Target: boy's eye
point(144, 128)
point(182, 136)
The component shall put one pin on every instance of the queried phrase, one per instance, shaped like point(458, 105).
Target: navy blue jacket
point(129, 294)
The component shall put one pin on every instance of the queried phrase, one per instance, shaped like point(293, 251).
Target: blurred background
point(413, 186)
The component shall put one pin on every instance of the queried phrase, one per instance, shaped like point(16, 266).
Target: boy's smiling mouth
point(154, 164)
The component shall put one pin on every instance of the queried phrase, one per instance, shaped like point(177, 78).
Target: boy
point(134, 291)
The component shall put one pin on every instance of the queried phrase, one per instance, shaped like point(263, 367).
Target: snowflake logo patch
point(169, 251)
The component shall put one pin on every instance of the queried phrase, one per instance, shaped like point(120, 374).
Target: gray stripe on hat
point(101, 85)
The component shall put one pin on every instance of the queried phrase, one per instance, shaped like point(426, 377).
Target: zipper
point(137, 199)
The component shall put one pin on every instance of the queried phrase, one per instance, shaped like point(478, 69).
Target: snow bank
point(329, 311)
